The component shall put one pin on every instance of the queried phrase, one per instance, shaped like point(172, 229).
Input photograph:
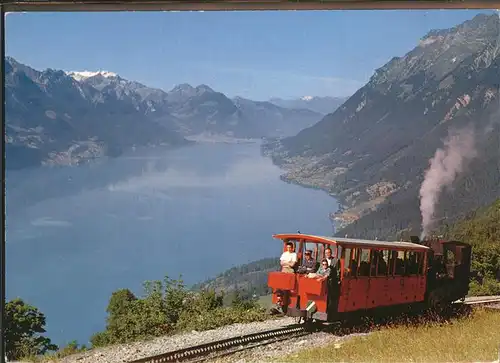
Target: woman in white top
point(288, 259)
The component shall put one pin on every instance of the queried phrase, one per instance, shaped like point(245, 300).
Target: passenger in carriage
point(412, 268)
point(373, 262)
point(400, 266)
point(354, 267)
point(364, 269)
point(323, 271)
point(329, 257)
point(332, 261)
point(382, 265)
point(288, 259)
point(308, 265)
point(393, 255)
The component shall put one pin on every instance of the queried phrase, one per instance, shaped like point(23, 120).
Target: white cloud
point(21, 235)
point(159, 183)
point(49, 222)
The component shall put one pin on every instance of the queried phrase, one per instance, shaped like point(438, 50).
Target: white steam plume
point(446, 164)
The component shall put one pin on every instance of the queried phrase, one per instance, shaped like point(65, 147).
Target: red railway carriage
point(368, 275)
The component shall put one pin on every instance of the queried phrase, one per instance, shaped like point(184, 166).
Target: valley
point(372, 152)
point(191, 181)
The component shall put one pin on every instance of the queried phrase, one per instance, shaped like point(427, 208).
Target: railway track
point(244, 342)
point(228, 346)
point(489, 303)
point(482, 300)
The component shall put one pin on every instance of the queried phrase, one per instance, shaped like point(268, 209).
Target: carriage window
point(450, 257)
point(354, 261)
point(420, 263)
point(459, 255)
point(321, 252)
point(411, 263)
point(408, 263)
point(400, 263)
point(373, 262)
point(337, 252)
point(347, 258)
point(392, 261)
point(364, 263)
point(383, 259)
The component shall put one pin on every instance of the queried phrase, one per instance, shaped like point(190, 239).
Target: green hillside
point(249, 279)
point(372, 153)
point(482, 229)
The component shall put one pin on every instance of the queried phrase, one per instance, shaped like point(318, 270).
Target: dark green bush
point(100, 339)
point(70, 349)
point(482, 230)
point(168, 307)
point(488, 286)
point(24, 325)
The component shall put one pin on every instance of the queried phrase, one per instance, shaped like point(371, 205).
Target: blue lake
point(74, 235)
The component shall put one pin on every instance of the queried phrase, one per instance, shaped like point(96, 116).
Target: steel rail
point(483, 301)
point(239, 342)
point(236, 344)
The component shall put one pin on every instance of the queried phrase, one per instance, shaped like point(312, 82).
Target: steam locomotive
point(368, 275)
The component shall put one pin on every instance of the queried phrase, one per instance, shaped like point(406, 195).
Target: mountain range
point(322, 105)
point(439, 102)
point(58, 117)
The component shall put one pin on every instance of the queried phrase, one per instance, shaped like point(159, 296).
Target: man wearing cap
point(308, 265)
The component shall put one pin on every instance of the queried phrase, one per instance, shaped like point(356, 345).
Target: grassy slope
point(475, 338)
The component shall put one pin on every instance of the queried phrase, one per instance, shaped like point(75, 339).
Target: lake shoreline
point(102, 156)
point(148, 210)
point(339, 218)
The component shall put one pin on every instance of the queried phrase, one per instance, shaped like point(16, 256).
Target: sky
point(255, 54)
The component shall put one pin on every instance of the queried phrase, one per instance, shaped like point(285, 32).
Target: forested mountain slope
point(68, 118)
point(53, 118)
point(373, 151)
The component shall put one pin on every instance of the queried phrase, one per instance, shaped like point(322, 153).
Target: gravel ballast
point(275, 352)
point(128, 352)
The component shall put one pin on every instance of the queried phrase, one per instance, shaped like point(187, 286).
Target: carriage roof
point(352, 241)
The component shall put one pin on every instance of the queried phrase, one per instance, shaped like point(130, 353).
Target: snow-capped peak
point(306, 98)
point(86, 74)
